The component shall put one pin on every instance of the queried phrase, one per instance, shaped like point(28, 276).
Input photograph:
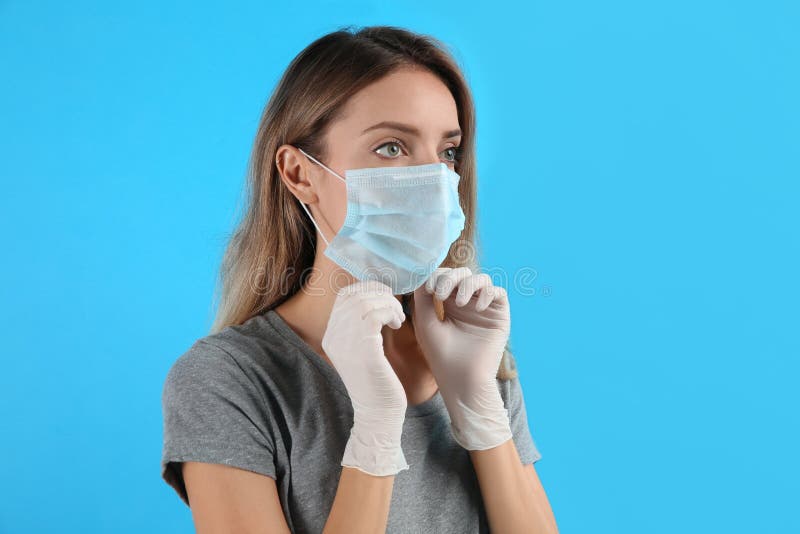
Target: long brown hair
point(271, 251)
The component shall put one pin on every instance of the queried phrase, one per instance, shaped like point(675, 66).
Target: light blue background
point(642, 158)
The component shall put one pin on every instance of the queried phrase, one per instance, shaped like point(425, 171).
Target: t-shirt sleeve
point(213, 413)
point(518, 418)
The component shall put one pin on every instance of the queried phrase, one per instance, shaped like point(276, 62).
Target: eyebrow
point(409, 129)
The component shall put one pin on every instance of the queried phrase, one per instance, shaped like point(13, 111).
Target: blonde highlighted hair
point(271, 250)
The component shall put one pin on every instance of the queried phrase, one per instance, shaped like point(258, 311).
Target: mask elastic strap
point(303, 204)
point(322, 164)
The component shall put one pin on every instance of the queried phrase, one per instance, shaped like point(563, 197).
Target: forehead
point(412, 96)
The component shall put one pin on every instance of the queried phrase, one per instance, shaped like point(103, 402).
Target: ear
point(294, 171)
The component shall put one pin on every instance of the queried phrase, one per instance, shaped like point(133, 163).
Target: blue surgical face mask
point(399, 225)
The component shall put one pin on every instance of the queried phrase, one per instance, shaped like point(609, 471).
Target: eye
point(454, 154)
point(394, 152)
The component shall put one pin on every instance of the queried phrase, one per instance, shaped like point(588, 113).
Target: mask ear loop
point(303, 204)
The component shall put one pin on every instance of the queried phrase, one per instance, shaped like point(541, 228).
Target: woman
point(330, 397)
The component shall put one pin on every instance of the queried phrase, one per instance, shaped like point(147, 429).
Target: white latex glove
point(464, 352)
point(353, 342)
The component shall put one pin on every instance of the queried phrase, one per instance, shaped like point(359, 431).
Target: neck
point(307, 313)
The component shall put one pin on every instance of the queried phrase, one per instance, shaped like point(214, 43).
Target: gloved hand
point(464, 352)
point(353, 342)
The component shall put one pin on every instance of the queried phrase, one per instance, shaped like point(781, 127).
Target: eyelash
point(457, 149)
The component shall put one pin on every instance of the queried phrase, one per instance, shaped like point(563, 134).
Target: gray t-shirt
point(256, 396)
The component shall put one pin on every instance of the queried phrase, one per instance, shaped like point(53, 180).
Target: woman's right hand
point(354, 344)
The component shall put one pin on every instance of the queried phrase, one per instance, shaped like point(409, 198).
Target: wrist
point(479, 421)
point(376, 451)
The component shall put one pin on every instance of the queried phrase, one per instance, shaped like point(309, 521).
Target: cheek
point(340, 210)
point(336, 207)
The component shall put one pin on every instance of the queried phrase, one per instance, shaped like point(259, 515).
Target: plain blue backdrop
point(638, 160)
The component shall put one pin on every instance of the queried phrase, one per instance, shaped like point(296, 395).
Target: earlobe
point(292, 173)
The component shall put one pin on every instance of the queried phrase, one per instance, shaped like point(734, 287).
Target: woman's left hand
point(464, 351)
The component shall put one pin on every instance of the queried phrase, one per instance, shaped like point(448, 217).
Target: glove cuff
point(374, 453)
point(480, 422)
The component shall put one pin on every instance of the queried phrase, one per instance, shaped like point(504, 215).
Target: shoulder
point(205, 357)
point(221, 361)
point(212, 390)
point(215, 410)
point(251, 364)
point(510, 388)
point(241, 354)
point(514, 400)
point(204, 372)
